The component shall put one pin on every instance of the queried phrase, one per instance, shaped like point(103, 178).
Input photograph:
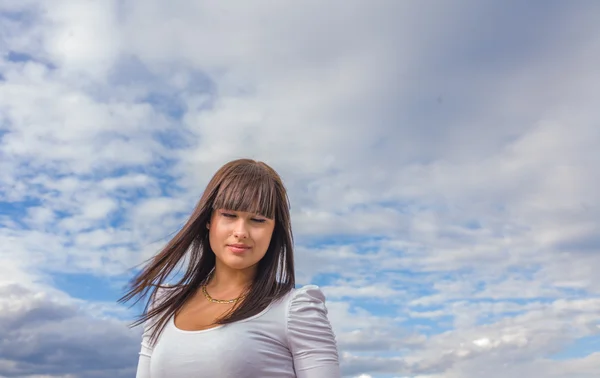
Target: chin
point(234, 262)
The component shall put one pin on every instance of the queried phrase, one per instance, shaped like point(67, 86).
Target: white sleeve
point(310, 337)
point(145, 355)
point(143, 368)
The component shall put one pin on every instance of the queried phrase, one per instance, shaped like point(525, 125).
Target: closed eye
point(230, 215)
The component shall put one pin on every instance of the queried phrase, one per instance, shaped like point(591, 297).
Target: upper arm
point(145, 354)
point(310, 337)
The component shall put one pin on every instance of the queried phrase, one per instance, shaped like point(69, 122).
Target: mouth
point(238, 248)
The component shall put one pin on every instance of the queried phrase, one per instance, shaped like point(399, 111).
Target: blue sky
point(441, 161)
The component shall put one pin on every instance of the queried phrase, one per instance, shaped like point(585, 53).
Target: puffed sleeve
point(310, 337)
point(143, 368)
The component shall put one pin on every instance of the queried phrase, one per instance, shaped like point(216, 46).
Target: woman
point(235, 312)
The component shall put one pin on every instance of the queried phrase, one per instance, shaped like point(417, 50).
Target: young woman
point(235, 312)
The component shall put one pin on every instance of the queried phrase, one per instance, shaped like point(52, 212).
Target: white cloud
point(448, 160)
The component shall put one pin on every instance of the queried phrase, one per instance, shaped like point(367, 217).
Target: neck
point(226, 279)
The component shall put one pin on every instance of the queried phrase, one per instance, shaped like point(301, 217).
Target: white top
point(291, 338)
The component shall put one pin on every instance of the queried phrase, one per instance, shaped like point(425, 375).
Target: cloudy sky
point(441, 159)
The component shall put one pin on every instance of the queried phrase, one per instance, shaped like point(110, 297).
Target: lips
point(238, 248)
point(239, 245)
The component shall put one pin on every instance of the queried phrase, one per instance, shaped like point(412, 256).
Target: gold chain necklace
point(222, 301)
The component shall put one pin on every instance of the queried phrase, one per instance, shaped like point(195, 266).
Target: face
point(239, 239)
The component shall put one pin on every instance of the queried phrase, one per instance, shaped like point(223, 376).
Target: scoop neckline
point(172, 321)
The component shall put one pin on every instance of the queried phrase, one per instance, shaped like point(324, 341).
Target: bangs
point(251, 191)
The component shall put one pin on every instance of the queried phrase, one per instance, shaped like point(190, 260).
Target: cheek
point(219, 230)
point(265, 238)
point(217, 235)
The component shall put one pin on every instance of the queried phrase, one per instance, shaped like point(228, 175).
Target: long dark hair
point(240, 185)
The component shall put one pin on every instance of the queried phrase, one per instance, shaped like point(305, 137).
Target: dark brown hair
point(240, 185)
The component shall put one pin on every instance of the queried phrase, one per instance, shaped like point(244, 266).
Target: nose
point(240, 230)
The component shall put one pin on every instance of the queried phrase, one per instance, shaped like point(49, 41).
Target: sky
point(440, 157)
